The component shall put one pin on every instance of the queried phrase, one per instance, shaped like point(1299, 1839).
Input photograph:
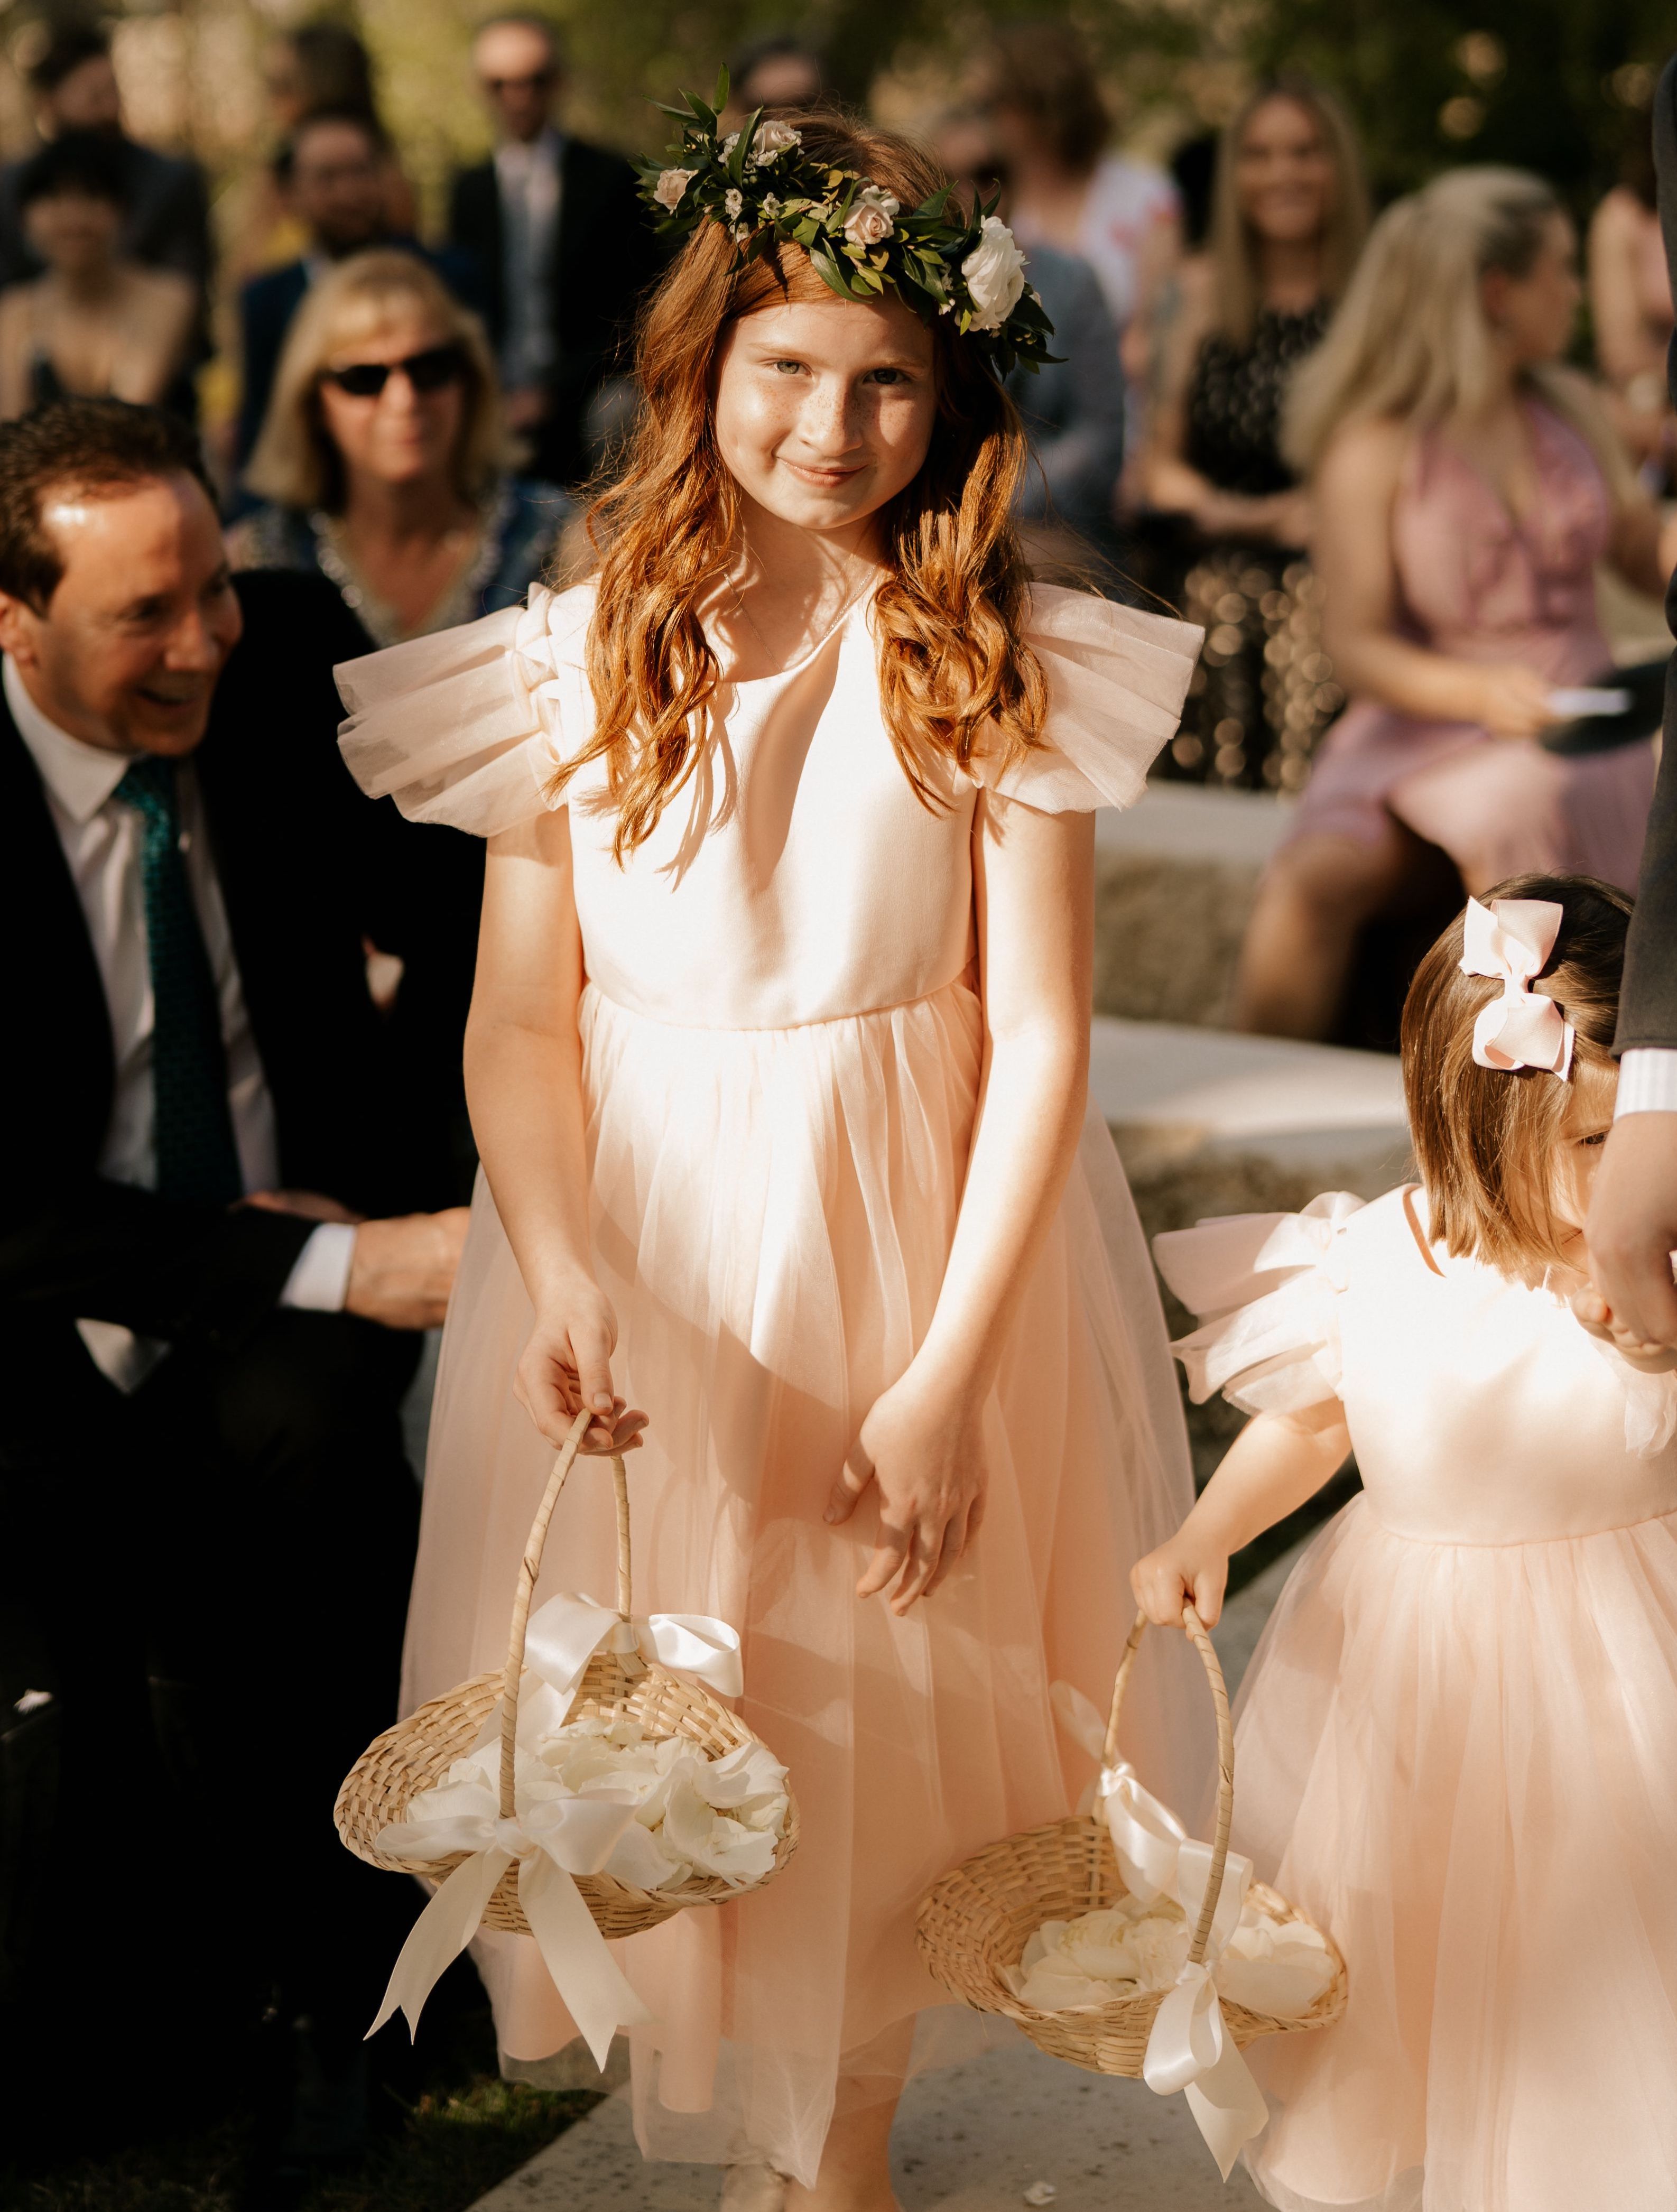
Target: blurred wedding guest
point(1073, 407)
point(563, 240)
point(310, 69)
point(1289, 214)
point(1040, 87)
point(778, 71)
point(1465, 485)
point(96, 322)
point(382, 463)
point(1631, 310)
point(166, 222)
point(336, 171)
point(219, 1232)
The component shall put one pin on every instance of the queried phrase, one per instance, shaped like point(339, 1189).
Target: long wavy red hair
point(955, 671)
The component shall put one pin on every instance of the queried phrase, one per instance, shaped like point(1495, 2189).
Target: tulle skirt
point(772, 1213)
point(1462, 1760)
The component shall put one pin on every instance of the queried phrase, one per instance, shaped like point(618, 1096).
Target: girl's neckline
point(839, 621)
point(1538, 414)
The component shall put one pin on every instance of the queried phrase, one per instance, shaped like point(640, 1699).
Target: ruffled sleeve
point(1266, 1288)
point(1117, 678)
point(467, 727)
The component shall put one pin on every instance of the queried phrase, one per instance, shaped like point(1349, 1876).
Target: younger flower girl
point(1454, 1745)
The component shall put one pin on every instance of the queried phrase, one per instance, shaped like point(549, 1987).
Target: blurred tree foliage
point(1558, 86)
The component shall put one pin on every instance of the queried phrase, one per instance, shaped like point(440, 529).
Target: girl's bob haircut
point(1483, 1136)
point(295, 462)
point(955, 673)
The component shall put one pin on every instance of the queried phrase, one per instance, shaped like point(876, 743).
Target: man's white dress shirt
point(101, 841)
point(1647, 1083)
point(527, 175)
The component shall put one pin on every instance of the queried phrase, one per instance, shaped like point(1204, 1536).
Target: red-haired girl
point(778, 1065)
point(1454, 1744)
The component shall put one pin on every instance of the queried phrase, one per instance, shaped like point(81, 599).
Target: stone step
point(1175, 878)
point(968, 2138)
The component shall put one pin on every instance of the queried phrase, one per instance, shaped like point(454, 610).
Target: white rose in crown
point(995, 271)
point(671, 184)
point(872, 217)
point(774, 139)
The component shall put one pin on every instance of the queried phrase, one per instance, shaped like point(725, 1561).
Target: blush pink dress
point(1477, 585)
point(782, 1048)
point(1456, 1746)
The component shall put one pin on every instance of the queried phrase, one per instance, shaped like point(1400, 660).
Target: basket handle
point(530, 1566)
point(1225, 1766)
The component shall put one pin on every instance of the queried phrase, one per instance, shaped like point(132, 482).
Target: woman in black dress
point(1290, 212)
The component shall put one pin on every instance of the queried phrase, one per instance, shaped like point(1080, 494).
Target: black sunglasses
point(427, 372)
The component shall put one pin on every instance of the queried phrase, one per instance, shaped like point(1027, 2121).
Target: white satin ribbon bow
point(565, 1633)
point(1511, 939)
point(551, 1841)
point(1190, 2047)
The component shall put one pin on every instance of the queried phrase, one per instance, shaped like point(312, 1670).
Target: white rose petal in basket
point(589, 1792)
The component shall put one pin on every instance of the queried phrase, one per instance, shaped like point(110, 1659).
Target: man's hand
point(1631, 1231)
point(403, 1269)
point(306, 1205)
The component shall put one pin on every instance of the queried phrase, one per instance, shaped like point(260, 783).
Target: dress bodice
point(1480, 1411)
point(1478, 582)
point(1235, 397)
point(796, 877)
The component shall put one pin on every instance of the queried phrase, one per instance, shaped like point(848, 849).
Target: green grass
point(462, 2134)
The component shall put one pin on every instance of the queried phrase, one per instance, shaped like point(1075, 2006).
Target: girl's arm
point(523, 1086)
point(921, 1441)
point(1277, 1462)
point(1356, 490)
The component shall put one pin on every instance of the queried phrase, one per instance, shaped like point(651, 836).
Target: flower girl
point(1455, 1744)
point(777, 1063)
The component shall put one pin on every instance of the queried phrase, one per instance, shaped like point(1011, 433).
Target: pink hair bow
point(1511, 939)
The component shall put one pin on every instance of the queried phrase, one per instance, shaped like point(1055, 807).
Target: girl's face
point(1533, 315)
point(824, 410)
point(1577, 1150)
point(407, 431)
point(1284, 173)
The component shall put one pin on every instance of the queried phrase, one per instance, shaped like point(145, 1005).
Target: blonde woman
point(1465, 485)
point(379, 459)
point(1290, 212)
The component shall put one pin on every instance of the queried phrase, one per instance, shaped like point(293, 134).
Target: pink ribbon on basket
point(1189, 2047)
point(1511, 939)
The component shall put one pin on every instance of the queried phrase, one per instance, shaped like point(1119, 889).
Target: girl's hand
point(567, 1362)
point(1513, 701)
point(923, 1450)
point(1592, 1312)
point(1178, 1570)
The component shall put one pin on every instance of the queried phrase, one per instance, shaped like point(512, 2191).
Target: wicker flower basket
point(979, 1916)
point(417, 1752)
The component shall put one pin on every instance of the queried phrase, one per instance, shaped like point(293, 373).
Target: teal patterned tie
point(196, 1157)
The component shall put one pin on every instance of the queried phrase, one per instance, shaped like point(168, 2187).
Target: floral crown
point(761, 186)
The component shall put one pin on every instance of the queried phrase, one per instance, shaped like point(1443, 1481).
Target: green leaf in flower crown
point(721, 89)
point(736, 161)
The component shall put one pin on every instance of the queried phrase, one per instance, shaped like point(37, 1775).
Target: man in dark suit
point(223, 1213)
point(1633, 1228)
point(74, 89)
point(563, 239)
point(335, 174)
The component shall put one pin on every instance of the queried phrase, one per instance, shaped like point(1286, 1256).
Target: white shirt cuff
point(319, 1279)
point(1647, 1084)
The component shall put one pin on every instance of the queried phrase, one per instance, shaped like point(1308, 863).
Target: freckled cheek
point(752, 423)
